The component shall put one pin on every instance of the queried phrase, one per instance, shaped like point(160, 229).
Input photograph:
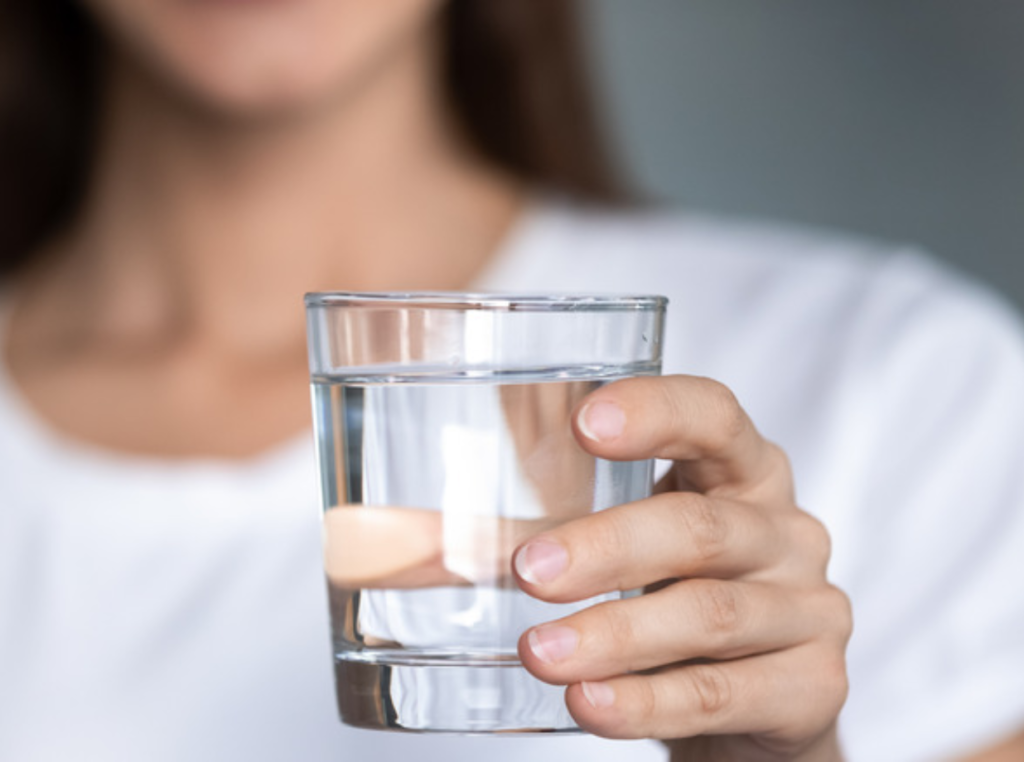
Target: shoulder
point(776, 282)
point(760, 260)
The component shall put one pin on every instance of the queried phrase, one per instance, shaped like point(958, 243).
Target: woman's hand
point(738, 647)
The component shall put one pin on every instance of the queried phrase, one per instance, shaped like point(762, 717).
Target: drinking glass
point(444, 439)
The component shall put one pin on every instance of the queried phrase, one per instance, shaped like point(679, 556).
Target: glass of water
point(443, 428)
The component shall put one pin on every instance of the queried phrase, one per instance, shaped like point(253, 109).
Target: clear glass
point(444, 442)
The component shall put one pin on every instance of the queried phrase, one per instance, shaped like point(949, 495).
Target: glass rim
point(497, 302)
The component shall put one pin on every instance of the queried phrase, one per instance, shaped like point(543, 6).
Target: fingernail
point(599, 695)
point(541, 561)
point(602, 421)
point(552, 643)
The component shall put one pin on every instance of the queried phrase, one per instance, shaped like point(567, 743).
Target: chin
point(256, 87)
point(262, 57)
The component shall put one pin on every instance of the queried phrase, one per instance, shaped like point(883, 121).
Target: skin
point(146, 306)
point(234, 171)
point(742, 642)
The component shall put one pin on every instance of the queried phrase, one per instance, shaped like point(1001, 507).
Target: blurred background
point(901, 120)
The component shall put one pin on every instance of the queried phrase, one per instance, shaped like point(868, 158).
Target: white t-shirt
point(158, 611)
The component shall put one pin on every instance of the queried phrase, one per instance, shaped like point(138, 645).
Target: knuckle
point(834, 682)
point(704, 525)
point(730, 419)
point(815, 701)
point(719, 609)
point(711, 689)
point(612, 537)
point(644, 705)
point(618, 631)
point(840, 613)
point(781, 469)
point(779, 457)
point(813, 539)
point(670, 401)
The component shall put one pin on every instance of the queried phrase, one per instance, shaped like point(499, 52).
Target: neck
point(203, 226)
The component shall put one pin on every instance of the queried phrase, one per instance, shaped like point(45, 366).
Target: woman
point(161, 599)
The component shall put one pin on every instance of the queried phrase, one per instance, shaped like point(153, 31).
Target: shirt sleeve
point(937, 656)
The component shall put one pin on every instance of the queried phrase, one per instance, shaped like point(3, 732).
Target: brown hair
point(514, 71)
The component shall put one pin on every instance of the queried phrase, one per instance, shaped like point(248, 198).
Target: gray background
point(900, 119)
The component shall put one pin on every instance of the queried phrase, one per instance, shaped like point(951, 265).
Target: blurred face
point(263, 57)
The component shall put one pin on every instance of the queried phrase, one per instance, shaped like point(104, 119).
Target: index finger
point(692, 420)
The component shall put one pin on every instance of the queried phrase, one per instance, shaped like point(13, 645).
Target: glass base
point(438, 697)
